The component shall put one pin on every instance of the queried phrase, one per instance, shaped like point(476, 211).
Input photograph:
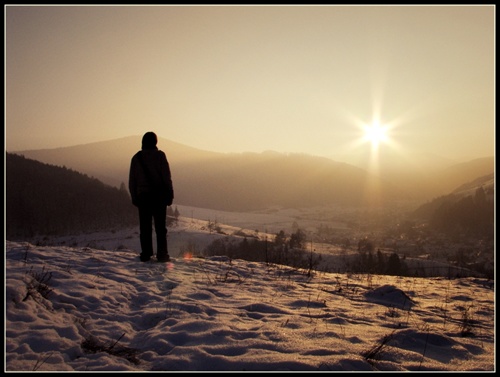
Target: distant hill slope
point(487, 182)
point(43, 199)
point(468, 210)
point(247, 181)
point(426, 210)
point(461, 174)
point(109, 161)
point(243, 181)
point(425, 182)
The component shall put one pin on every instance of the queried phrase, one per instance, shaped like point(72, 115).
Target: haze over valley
point(250, 181)
point(331, 202)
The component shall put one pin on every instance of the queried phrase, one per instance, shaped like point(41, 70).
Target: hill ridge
point(248, 181)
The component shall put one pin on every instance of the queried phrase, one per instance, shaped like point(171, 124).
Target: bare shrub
point(38, 283)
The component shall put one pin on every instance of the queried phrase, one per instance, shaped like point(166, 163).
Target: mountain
point(467, 210)
point(469, 189)
point(241, 181)
point(47, 200)
point(248, 181)
point(454, 176)
point(424, 177)
point(109, 161)
point(487, 182)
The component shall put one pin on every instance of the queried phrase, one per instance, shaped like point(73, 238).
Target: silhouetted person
point(151, 189)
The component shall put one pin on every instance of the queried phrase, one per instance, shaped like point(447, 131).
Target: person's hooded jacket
point(150, 179)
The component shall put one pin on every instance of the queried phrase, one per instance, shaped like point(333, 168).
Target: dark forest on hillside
point(472, 215)
point(456, 215)
point(43, 199)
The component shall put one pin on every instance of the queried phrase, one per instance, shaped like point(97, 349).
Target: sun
point(375, 133)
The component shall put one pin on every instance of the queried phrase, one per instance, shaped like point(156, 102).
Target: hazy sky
point(253, 78)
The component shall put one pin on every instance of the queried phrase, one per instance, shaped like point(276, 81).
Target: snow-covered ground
point(86, 303)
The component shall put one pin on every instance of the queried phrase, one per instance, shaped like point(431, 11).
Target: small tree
point(297, 239)
point(394, 265)
point(280, 239)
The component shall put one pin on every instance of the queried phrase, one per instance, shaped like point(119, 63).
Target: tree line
point(283, 249)
point(43, 199)
point(291, 250)
point(471, 216)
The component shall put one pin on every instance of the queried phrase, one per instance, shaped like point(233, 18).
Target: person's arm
point(132, 181)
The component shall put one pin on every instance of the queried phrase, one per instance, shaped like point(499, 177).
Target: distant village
point(417, 243)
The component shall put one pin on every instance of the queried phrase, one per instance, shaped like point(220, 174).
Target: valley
point(334, 235)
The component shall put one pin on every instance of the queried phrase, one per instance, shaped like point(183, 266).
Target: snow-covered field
point(88, 304)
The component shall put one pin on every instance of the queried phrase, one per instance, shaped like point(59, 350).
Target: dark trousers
point(147, 214)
